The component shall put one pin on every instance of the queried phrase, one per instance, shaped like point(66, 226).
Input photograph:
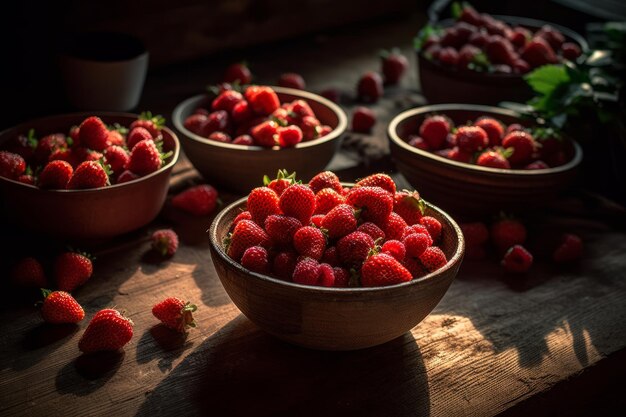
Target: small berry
point(60, 307)
point(199, 200)
point(165, 242)
point(292, 80)
point(370, 87)
point(517, 259)
point(28, 273)
point(363, 120)
point(569, 250)
point(255, 259)
point(108, 330)
point(71, 270)
point(433, 258)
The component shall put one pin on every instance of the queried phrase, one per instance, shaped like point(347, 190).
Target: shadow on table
point(242, 371)
point(88, 372)
point(162, 343)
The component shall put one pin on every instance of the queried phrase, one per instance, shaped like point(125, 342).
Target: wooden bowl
point(333, 318)
point(91, 214)
point(441, 84)
point(241, 168)
point(467, 189)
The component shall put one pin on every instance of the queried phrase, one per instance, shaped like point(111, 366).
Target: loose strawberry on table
point(71, 270)
point(175, 313)
point(199, 200)
point(60, 307)
point(108, 330)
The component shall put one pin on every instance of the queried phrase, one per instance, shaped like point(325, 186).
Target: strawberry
point(262, 100)
point(514, 127)
point(538, 52)
point(284, 264)
point(116, 158)
point(475, 233)
point(88, 174)
point(292, 80)
point(471, 138)
point(493, 128)
point(126, 176)
point(311, 128)
point(554, 38)
point(519, 35)
point(309, 241)
point(434, 130)
point(108, 330)
point(354, 248)
point(457, 154)
point(433, 226)
point(342, 277)
point(244, 215)
point(23, 144)
point(414, 266)
point(55, 175)
point(301, 109)
point(370, 87)
point(326, 179)
point(523, 145)
point(175, 313)
point(340, 221)
point(499, 50)
point(289, 136)
point(376, 204)
point(11, 165)
point(149, 122)
point(28, 273)
point(331, 256)
point(215, 122)
point(26, 179)
point(60, 307)
point(226, 100)
point(199, 200)
point(145, 158)
point(165, 242)
point(451, 39)
point(371, 229)
point(517, 259)
point(382, 270)
point(282, 181)
point(326, 199)
point(394, 226)
point(363, 120)
point(47, 145)
point(238, 73)
point(394, 248)
point(507, 232)
point(449, 56)
point(467, 56)
point(244, 140)
point(418, 142)
point(570, 249)
point(93, 133)
point(264, 134)
point(331, 94)
point(196, 123)
point(306, 272)
point(220, 137)
point(325, 276)
point(262, 202)
point(394, 66)
point(136, 135)
point(570, 51)
point(539, 164)
point(298, 201)
point(521, 66)
point(478, 39)
point(71, 270)
point(493, 159)
point(409, 206)
point(255, 259)
point(115, 138)
point(245, 235)
point(433, 258)
point(416, 243)
point(281, 228)
point(383, 181)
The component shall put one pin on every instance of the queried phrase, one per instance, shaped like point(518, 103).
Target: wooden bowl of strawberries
point(86, 176)
point(473, 159)
point(479, 58)
point(234, 138)
point(334, 266)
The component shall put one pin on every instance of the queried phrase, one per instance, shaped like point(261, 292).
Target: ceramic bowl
point(91, 214)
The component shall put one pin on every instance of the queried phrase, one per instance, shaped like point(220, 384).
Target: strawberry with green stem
point(175, 313)
point(60, 307)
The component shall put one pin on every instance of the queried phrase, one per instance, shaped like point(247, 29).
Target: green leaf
point(456, 9)
point(426, 32)
point(544, 80)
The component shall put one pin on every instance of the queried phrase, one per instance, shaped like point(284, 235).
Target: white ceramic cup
point(104, 71)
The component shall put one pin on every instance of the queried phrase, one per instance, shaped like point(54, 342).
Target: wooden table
point(553, 343)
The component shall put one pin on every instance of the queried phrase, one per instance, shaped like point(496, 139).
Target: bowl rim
point(454, 259)
point(395, 138)
point(334, 134)
point(170, 164)
point(517, 20)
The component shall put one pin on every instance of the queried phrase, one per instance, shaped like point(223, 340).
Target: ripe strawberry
point(281, 228)
point(394, 65)
point(434, 130)
point(137, 135)
point(117, 158)
point(26, 179)
point(165, 242)
point(409, 206)
point(145, 158)
point(471, 16)
point(265, 134)
point(376, 204)
point(394, 227)
point(331, 256)
point(215, 122)
point(262, 202)
point(48, 144)
point(467, 56)
point(115, 138)
point(471, 138)
point(449, 56)
point(71, 270)
point(325, 276)
point(284, 264)
point(554, 38)
point(493, 128)
point(244, 140)
point(521, 66)
point(517, 259)
point(457, 154)
point(241, 112)
point(570, 51)
point(11, 165)
point(28, 273)
point(570, 249)
point(282, 181)
point(244, 215)
point(199, 200)
point(245, 235)
point(371, 229)
point(311, 128)
point(93, 133)
point(220, 137)
point(363, 120)
point(238, 73)
point(382, 270)
point(226, 100)
point(55, 175)
point(153, 124)
point(326, 179)
point(340, 221)
point(433, 258)
point(519, 35)
point(326, 199)
point(523, 146)
point(126, 176)
point(289, 136)
point(493, 159)
point(306, 272)
point(82, 154)
point(418, 142)
point(370, 87)
point(23, 144)
point(539, 164)
point(88, 174)
point(291, 80)
point(433, 226)
point(298, 201)
point(175, 313)
point(331, 94)
point(255, 259)
point(394, 248)
point(499, 50)
point(354, 248)
point(475, 233)
point(383, 181)
point(301, 109)
point(538, 52)
point(108, 330)
point(309, 241)
point(416, 243)
point(263, 100)
point(60, 307)
point(507, 232)
point(414, 266)
point(451, 39)
point(342, 277)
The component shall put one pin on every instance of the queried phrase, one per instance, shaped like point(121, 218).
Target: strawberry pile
point(91, 155)
point(480, 42)
point(323, 234)
point(257, 118)
point(489, 142)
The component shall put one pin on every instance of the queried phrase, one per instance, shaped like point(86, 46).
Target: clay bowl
point(442, 84)
point(241, 168)
point(86, 215)
point(465, 189)
point(333, 318)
